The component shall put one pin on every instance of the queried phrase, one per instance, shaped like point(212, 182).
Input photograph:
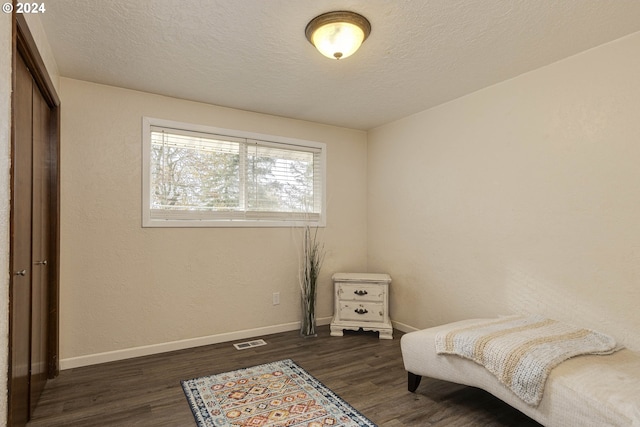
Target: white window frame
point(220, 219)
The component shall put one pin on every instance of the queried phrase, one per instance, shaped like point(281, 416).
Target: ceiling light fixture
point(339, 34)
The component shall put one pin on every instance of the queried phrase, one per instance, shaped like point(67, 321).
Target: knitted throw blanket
point(521, 351)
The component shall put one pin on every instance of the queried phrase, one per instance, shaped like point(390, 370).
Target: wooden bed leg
point(413, 381)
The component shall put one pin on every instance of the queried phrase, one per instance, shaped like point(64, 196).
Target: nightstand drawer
point(362, 311)
point(360, 292)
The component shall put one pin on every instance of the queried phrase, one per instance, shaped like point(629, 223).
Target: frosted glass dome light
point(338, 35)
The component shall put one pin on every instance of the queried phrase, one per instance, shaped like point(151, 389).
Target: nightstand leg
point(386, 334)
point(336, 331)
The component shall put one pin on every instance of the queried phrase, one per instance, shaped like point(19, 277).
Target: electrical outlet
point(276, 298)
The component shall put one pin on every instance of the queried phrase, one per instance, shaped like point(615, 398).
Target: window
point(197, 176)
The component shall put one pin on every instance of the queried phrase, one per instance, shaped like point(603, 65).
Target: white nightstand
point(361, 300)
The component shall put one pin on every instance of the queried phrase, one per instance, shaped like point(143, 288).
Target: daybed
point(587, 390)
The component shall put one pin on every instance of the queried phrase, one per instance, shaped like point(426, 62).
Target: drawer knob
point(361, 293)
point(361, 310)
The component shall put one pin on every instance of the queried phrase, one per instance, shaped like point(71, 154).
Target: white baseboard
point(129, 353)
point(403, 327)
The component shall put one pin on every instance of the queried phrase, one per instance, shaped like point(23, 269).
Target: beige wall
point(123, 286)
point(523, 197)
point(5, 161)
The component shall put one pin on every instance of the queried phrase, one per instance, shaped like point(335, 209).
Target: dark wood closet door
point(41, 242)
point(21, 246)
point(35, 208)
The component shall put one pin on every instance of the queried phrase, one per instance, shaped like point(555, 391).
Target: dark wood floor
point(366, 372)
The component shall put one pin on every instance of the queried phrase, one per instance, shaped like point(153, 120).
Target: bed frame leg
point(413, 381)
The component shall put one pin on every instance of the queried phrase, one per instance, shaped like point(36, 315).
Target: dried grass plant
point(311, 263)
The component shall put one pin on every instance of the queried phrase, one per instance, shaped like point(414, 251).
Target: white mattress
point(583, 391)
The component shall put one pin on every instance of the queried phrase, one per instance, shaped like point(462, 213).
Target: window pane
point(194, 173)
point(280, 180)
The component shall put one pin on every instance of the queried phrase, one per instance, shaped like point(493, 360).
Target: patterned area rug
point(275, 394)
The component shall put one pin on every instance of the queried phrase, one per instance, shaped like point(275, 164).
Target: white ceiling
point(253, 55)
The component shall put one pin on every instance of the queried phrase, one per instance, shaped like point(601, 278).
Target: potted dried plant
point(311, 262)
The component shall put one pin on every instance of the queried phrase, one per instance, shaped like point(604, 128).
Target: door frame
point(23, 44)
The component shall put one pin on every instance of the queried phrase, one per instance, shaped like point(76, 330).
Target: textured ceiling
point(253, 55)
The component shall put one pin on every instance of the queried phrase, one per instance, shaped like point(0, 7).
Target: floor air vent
point(249, 344)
